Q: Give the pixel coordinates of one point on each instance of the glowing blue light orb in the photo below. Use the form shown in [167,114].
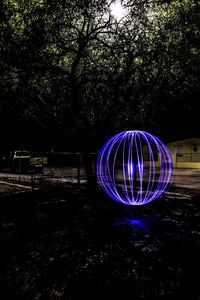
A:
[134,167]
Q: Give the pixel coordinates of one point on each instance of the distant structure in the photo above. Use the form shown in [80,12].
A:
[185,153]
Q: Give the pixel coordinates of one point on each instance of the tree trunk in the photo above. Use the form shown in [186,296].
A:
[89,163]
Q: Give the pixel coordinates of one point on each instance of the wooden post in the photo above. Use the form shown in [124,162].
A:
[79,169]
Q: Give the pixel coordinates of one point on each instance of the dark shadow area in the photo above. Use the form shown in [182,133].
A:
[72,244]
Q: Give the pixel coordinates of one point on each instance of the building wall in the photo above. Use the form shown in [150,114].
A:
[183,147]
[187,165]
[184,154]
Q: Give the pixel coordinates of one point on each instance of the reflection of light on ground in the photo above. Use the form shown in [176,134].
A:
[136,225]
[136,222]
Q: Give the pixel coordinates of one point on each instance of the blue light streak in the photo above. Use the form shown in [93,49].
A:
[135,222]
[127,171]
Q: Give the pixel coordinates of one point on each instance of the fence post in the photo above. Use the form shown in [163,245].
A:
[42,169]
[174,157]
[33,179]
[79,169]
[19,168]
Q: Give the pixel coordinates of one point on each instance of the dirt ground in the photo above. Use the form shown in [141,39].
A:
[7,188]
[75,244]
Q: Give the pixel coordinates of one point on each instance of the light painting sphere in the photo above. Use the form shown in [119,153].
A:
[134,167]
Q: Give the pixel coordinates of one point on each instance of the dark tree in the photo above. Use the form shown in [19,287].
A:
[72,75]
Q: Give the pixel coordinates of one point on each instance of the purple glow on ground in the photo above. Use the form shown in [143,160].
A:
[127,170]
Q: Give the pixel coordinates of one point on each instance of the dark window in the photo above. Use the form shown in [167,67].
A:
[195,148]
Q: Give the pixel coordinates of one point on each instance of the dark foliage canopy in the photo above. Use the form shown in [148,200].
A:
[72,74]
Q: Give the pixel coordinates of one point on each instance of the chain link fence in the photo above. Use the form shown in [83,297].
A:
[47,168]
[66,168]
[188,157]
